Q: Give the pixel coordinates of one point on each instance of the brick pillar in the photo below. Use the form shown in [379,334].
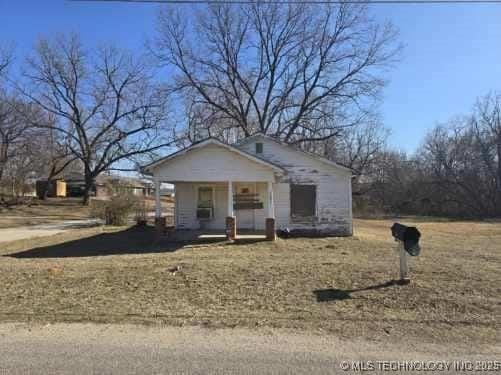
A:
[231,227]
[270,229]
[160,226]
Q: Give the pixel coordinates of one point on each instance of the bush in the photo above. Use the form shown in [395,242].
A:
[115,211]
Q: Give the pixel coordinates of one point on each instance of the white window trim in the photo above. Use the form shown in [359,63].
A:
[213,189]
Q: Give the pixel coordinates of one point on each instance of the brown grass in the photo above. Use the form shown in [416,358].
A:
[43,212]
[54,210]
[338,285]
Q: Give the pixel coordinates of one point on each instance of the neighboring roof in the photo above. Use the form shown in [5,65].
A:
[147,168]
[72,176]
[76,177]
[310,154]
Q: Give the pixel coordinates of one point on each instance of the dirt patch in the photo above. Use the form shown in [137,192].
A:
[337,285]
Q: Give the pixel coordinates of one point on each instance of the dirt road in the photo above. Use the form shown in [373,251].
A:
[127,349]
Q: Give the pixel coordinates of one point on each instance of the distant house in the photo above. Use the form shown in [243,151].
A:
[258,184]
[52,189]
[74,185]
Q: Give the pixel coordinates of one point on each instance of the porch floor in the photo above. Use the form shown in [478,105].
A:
[214,236]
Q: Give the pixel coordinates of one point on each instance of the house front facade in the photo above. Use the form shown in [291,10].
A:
[259,184]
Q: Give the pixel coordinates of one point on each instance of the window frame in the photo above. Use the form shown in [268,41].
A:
[213,198]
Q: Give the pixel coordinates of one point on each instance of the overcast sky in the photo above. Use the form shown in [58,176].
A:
[452,53]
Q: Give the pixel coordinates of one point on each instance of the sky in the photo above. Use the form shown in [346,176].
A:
[451,55]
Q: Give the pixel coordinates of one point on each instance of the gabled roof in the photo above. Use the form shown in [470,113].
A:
[310,154]
[148,168]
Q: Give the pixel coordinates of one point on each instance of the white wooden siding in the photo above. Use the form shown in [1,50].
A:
[214,165]
[186,206]
[212,162]
[333,188]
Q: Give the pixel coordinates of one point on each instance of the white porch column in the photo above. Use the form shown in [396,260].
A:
[231,225]
[271,201]
[270,220]
[158,202]
[230,199]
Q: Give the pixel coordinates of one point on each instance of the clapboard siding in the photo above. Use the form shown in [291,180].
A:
[209,162]
[333,206]
[186,206]
[187,199]
[214,165]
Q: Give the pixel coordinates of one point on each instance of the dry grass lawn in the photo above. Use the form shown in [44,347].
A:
[337,285]
[55,210]
[43,212]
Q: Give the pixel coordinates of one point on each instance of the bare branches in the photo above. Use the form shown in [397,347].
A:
[106,104]
[290,71]
[13,129]
[6,58]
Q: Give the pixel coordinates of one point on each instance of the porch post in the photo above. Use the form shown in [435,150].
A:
[271,202]
[159,220]
[270,220]
[231,225]
[158,202]
[230,198]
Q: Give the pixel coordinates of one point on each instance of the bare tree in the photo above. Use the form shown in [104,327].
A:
[359,147]
[13,128]
[108,108]
[454,167]
[486,127]
[54,156]
[5,59]
[296,72]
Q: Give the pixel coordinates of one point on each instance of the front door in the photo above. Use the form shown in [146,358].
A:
[244,216]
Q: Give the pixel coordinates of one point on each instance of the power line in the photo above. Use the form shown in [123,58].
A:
[294,1]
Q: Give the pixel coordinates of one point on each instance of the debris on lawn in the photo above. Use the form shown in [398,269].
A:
[174,270]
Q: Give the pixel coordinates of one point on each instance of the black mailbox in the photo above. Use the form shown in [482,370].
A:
[409,236]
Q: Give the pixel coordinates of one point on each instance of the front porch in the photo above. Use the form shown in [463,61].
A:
[218,187]
[219,210]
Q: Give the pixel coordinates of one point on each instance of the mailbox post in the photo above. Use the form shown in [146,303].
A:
[408,243]
[404,267]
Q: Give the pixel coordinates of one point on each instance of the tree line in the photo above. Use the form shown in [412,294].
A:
[309,75]
[455,172]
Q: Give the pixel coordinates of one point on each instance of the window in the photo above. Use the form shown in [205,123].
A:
[205,197]
[259,148]
[205,204]
[303,200]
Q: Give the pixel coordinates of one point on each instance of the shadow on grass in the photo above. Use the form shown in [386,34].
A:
[134,240]
[332,294]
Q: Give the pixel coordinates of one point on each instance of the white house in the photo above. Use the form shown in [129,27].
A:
[258,184]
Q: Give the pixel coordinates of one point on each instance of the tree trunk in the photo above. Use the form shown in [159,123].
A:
[45,191]
[89,184]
